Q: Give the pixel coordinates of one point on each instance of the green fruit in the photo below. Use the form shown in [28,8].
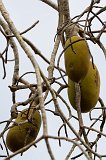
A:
[23,134]
[76,58]
[90,88]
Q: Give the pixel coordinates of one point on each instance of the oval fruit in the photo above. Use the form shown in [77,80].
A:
[77,58]
[89,87]
[23,134]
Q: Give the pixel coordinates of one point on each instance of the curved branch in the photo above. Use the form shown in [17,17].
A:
[51,4]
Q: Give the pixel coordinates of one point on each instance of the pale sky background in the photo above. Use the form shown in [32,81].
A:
[24,14]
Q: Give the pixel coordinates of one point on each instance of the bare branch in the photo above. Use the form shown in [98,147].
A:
[50,3]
